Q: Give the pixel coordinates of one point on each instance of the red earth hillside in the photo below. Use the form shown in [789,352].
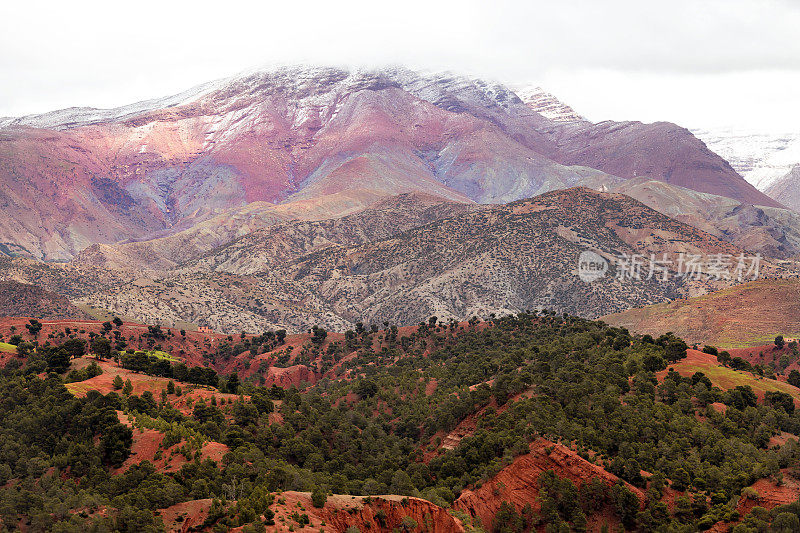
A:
[768,353]
[726,378]
[379,514]
[518,482]
[190,348]
[147,443]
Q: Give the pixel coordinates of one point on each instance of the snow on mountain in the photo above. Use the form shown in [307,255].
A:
[73,117]
[761,158]
[548,105]
[301,134]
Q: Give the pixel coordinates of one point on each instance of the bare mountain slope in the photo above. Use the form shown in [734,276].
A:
[744,315]
[471,261]
[787,189]
[771,231]
[20,299]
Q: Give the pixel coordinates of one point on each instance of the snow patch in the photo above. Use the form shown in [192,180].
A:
[548,105]
[760,157]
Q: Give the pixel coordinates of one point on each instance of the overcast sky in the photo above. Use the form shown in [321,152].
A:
[699,63]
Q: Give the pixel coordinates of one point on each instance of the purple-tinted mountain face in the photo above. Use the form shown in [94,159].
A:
[303,137]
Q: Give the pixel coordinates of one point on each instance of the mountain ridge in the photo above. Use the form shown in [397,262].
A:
[474,261]
[164,165]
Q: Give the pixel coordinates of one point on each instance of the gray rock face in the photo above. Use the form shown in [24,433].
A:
[786,190]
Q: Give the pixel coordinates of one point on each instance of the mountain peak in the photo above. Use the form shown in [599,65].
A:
[548,105]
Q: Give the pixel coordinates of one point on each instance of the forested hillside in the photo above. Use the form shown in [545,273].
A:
[526,422]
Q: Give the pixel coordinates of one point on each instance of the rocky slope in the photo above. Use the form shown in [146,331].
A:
[459,262]
[20,299]
[518,482]
[77,177]
[787,189]
[770,231]
[387,513]
[276,233]
[548,105]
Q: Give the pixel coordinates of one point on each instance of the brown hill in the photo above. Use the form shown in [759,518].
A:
[465,262]
[277,233]
[21,299]
[750,314]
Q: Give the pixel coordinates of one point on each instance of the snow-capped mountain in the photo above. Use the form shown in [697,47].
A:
[301,134]
[761,158]
[548,105]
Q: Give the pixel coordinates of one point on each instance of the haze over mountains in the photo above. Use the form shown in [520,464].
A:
[303,196]
[761,158]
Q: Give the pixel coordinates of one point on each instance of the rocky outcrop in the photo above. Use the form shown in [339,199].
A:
[385,516]
[286,377]
[548,105]
[518,482]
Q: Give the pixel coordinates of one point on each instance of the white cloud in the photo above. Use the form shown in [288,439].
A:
[758,100]
[58,54]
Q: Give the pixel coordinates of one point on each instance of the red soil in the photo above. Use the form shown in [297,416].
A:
[766,354]
[427,516]
[293,375]
[467,427]
[147,443]
[343,511]
[195,348]
[770,494]
[696,360]
[780,440]
[182,516]
[430,387]
[189,348]
[289,502]
[719,407]
[517,483]
[104,383]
